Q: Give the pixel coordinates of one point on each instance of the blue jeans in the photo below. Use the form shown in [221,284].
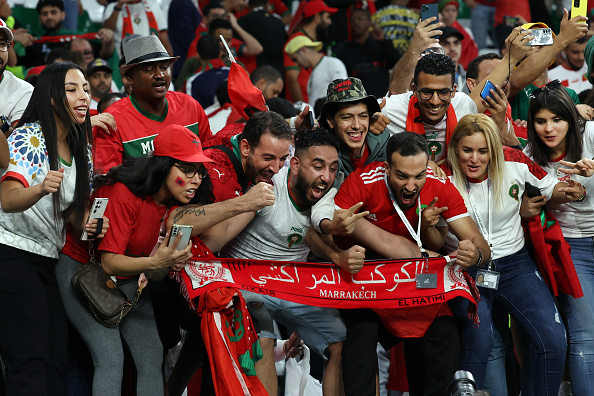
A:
[495,381]
[579,317]
[482,21]
[525,295]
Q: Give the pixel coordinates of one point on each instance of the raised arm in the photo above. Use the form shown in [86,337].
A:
[202,217]
[403,71]
[252,45]
[532,67]
[517,49]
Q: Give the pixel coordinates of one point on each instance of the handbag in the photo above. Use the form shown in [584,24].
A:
[107,302]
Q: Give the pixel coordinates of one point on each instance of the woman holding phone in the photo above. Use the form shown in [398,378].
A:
[143,193]
[45,186]
[558,137]
[491,179]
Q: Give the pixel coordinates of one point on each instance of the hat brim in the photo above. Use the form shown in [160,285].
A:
[370,100]
[99,68]
[194,158]
[9,34]
[123,69]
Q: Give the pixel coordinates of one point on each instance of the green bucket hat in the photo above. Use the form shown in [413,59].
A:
[346,91]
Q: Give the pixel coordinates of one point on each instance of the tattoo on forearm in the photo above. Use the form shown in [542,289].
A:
[189,210]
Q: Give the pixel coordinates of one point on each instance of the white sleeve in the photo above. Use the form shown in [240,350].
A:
[396,109]
[463,105]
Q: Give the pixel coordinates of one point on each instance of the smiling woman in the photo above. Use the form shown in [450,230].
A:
[45,186]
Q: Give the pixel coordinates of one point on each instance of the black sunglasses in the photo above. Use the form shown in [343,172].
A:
[550,86]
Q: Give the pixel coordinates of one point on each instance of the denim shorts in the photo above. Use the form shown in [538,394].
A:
[318,327]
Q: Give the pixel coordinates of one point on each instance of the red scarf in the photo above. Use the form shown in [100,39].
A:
[414,123]
[66,38]
[551,254]
[228,334]
[380,284]
[127,27]
[231,342]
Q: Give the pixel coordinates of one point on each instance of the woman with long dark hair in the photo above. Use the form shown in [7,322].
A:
[143,193]
[558,135]
[45,186]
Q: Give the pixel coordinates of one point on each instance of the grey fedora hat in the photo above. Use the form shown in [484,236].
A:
[143,50]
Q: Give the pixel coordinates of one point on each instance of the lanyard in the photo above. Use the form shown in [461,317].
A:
[416,235]
[479,221]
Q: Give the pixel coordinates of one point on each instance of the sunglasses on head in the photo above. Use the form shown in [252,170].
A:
[550,86]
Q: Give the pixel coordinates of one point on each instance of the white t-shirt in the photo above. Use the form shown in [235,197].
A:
[396,109]
[277,232]
[574,79]
[575,218]
[327,70]
[507,234]
[140,24]
[15,94]
[36,229]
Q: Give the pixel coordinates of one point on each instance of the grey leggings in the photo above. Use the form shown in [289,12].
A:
[138,329]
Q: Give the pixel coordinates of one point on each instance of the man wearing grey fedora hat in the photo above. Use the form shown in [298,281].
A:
[149,108]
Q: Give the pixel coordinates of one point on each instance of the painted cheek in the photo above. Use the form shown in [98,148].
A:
[180,182]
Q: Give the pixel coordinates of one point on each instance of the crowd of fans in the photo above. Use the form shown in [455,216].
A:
[316,131]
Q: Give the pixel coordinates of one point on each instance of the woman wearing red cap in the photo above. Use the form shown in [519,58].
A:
[142,193]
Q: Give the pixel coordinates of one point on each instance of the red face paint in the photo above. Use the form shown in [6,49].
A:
[179,181]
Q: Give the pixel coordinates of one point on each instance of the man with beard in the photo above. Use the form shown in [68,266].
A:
[149,108]
[51,16]
[246,154]
[315,24]
[278,233]
[99,77]
[394,192]
[15,93]
[573,73]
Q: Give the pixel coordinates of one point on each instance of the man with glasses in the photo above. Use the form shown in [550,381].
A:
[15,93]
[434,107]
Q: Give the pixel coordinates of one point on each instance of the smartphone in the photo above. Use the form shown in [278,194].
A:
[97,211]
[486,91]
[186,231]
[428,11]
[542,36]
[532,191]
[579,8]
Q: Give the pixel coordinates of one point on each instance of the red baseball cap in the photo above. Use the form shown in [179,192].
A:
[315,7]
[179,142]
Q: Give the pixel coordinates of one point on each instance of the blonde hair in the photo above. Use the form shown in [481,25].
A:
[468,126]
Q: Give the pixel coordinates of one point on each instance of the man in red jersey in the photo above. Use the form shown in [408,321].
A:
[149,108]
[395,192]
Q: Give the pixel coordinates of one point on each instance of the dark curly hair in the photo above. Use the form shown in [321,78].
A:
[314,138]
[436,65]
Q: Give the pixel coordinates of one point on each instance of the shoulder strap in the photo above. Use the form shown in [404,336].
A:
[241,176]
